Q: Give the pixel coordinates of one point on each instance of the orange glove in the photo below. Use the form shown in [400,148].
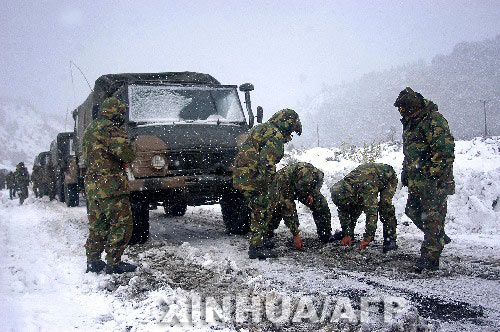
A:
[363,244]
[297,242]
[309,200]
[346,241]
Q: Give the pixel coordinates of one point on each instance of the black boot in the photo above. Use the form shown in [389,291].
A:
[338,235]
[426,264]
[119,268]
[389,244]
[268,242]
[327,238]
[261,252]
[447,239]
[95,266]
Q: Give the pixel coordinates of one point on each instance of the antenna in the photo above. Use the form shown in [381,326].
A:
[71,63]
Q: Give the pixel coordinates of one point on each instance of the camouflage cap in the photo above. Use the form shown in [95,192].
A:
[287,119]
[409,98]
[112,106]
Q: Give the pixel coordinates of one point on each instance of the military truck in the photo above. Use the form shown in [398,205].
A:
[41,161]
[62,154]
[186,128]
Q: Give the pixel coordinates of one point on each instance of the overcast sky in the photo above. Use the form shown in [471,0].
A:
[287,49]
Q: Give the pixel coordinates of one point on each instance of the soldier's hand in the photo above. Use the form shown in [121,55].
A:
[310,200]
[297,242]
[346,241]
[363,244]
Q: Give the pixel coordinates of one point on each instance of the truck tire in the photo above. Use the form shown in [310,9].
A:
[140,216]
[177,209]
[71,195]
[235,213]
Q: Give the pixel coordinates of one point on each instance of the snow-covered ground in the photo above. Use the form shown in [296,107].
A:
[44,287]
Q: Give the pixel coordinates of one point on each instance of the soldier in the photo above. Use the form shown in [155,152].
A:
[254,174]
[22,180]
[429,153]
[11,185]
[106,149]
[358,192]
[301,181]
[49,178]
[36,178]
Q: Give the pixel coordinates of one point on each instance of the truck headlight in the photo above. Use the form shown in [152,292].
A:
[158,162]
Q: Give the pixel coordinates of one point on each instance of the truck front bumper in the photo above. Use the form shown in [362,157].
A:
[185,183]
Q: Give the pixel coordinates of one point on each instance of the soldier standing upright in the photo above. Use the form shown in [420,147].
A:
[11,185]
[254,174]
[429,153]
[106,149]
[36,178]
[358,192]
[301,181]
[22,180]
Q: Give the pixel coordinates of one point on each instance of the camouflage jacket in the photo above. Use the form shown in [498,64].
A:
[429,152]
[106,148]
[296,182]
[361,187]
[255,164]
[22,177]
[11,180]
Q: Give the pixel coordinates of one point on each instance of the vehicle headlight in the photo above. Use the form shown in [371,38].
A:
[158,162]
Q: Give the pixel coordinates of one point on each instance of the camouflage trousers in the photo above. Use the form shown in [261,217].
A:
[110,227]
[428,210]
[320,211]
[23,194]
[350,213]
[37,190]
[261,204]
[12,193]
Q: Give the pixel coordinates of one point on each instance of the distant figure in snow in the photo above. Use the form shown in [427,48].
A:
[11,185]
[22,180]
[429,153]
[358,192]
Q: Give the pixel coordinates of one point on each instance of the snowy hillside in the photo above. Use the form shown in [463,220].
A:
[363,111]
[44,287]
[25,132]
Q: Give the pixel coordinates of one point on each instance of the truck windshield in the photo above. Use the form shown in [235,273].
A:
[148,103]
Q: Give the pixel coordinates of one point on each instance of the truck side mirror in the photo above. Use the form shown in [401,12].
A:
[260,114]
[246,88]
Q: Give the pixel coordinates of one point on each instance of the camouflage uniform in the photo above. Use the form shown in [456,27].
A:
[22,179]
[429,153]
[11,184]
[49,179]
[106,148]
[358,192]
[255,168]
[298,181]
[36,178]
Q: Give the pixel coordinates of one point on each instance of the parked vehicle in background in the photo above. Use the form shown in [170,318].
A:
[186,128]
[41,161]
[62,154]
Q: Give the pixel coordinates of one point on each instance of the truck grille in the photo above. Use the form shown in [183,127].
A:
[197,162]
